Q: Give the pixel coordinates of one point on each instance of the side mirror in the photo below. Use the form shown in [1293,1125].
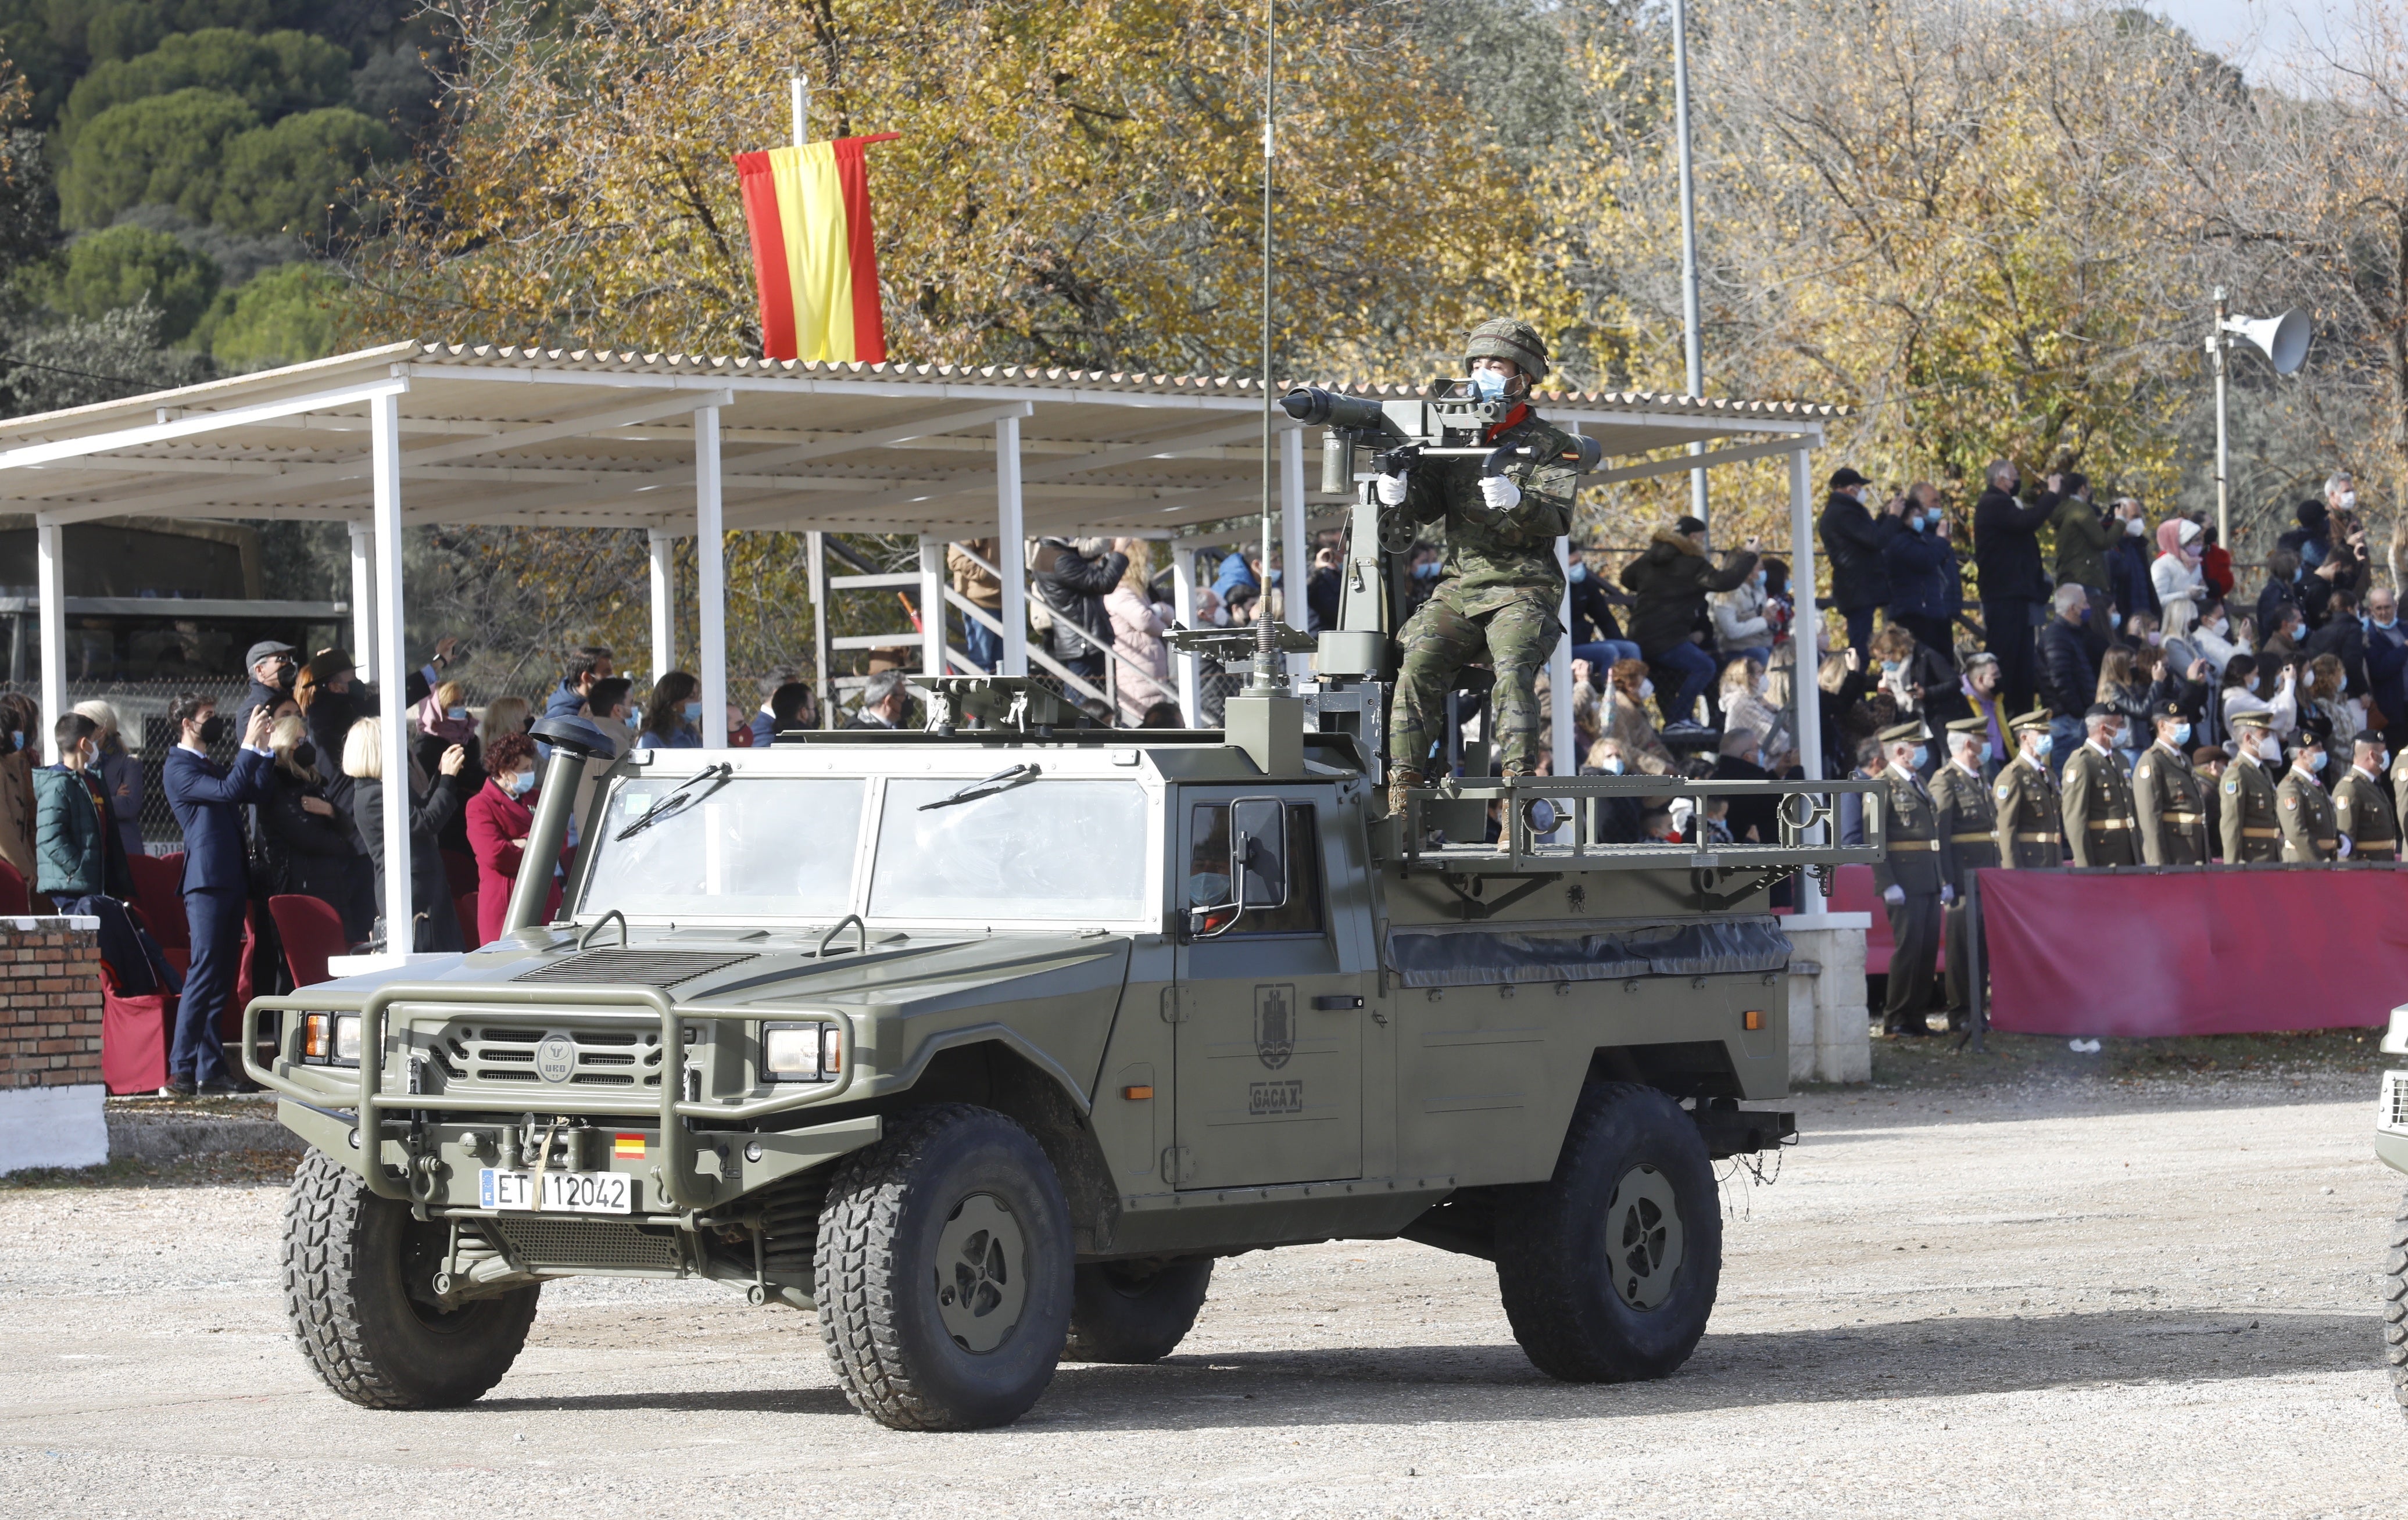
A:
[1258,852]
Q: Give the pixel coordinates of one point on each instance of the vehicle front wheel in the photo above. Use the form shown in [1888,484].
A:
[1135,1311]
[2395,1306]
[1608,1270]
[359,1284]
[943,1271]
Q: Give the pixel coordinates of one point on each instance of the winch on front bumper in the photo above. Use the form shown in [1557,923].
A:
[438,1087]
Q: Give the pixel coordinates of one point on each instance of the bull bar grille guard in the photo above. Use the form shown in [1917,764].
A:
[367,1101]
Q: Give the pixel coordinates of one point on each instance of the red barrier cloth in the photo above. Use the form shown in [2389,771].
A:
[2194,952]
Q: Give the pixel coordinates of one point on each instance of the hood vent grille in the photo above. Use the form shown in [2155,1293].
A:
[639,964]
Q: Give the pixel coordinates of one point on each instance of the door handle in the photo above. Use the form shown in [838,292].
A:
[1336,1002]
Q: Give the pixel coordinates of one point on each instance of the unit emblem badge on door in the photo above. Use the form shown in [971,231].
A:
[1275,1023]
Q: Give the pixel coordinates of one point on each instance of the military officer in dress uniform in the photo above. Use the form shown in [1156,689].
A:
[1968,840]
[2400,792]
[2362,808]
[2304,806]
[2096,798]
[2031,835]
[2247,813]
[1909,877]
[2169,805]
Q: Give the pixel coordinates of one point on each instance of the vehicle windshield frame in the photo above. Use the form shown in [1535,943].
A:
[875,771]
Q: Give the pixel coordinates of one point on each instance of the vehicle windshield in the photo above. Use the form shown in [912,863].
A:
[760,846]
[785,848]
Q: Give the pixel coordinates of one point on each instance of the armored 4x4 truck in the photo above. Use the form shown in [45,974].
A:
[985,1042]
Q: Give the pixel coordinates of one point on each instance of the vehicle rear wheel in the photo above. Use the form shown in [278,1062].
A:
[1135,1311]
[359,1284]
[943,1271]
[2395,1306]
[1608,1270]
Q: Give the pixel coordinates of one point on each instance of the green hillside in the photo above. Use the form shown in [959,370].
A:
[175,176]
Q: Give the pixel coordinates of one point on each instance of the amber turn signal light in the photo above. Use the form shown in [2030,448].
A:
[1752,1019]
[1137,1095]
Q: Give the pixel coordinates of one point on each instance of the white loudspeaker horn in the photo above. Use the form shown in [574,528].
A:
[2283,339]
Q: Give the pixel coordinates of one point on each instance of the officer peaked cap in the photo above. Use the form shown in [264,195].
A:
[2037,719]
[1905,733]
[1970,725]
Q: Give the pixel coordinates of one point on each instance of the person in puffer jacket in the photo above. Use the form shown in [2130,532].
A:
[1072,580]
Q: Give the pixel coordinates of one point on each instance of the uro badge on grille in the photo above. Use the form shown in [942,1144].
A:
[557,1057]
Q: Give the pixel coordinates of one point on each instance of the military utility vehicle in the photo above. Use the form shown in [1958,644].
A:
[985,1042]
[2391,1148]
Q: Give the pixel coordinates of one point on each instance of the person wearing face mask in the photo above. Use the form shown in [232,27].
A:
[2169,805]
[673,713]
[2128,586]
[2247,818]
[2031,829]
[83,868]
[1968,842]
[2362,812]
[1909,876]
[2310,833]
[1501,585]
[2083,536]
[2244,691]
[499,815]
[1627,692]
[1741,629]
[2281,591]
[2216,636]
[1670,582]
[2069,669]
[1597,636]
[207,798]
[2174,574]
[1854,544]
[2208,762]
[2095,796]
[306,847]
[1923,576]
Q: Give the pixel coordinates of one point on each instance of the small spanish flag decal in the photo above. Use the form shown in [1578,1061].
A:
[630,1148]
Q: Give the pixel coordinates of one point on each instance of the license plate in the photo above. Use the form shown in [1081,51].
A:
[569,1192]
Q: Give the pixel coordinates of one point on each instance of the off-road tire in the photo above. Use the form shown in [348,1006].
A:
[1121,1313]
[1563,1281]
[345,1289]
[2395,1306]
[877,1278]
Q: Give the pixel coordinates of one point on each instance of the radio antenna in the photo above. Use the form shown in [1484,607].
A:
[1267,673]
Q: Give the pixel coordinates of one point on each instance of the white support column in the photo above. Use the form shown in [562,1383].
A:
[815,559]
[1296,572]
[364,600]
[1182,603]
[392,661]
[932,605]
[1560,742]
[1011,547]
[663,543]
[1805,695]
[710,589]
[51,591]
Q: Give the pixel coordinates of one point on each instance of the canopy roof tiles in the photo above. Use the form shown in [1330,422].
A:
[603,438]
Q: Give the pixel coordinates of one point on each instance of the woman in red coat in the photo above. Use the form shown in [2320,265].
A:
[498,817]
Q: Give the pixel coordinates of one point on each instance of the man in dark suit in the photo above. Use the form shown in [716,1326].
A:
[207,799]
[2006,563]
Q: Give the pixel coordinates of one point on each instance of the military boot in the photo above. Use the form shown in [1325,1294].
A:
[1400,782]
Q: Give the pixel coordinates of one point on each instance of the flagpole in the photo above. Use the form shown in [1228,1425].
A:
[1266,661]
[798,95]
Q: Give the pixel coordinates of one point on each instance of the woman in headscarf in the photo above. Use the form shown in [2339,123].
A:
[2175,573]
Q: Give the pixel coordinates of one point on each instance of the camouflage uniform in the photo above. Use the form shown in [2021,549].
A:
[1497,594]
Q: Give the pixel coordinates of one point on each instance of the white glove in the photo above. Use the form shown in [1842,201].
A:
[2346,847]
[1947,893]
[1894,896]
[1499,492]
[1392,491]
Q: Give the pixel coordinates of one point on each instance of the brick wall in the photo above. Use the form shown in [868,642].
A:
[50,1003]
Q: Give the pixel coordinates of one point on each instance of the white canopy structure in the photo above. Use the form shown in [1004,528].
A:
[424,432]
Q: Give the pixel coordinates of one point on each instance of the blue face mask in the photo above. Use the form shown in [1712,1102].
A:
[2182,735]
[1759,577]
[1487,385]
[456,715]
[692,711]
[2046,743]
[2316,760]
[1915,520]
[1922,757]
[1613,765]
[1987,753]
[1579,573]
[517,782]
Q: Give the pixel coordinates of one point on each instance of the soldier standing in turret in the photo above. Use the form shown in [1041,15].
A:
[1968,840]
[1499,585]
[2167,804]
[2097,796]
[2247,815]
[2031,835]
[1909,877]
[2304,806]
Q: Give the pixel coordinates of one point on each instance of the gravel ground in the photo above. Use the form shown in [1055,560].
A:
[2056,1295]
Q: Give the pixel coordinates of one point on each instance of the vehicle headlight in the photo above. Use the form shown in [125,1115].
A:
[330,1039]
[812,1052]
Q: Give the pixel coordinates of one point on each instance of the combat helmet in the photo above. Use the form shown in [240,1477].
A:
[1503,337]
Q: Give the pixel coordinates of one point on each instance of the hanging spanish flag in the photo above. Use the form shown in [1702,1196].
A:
[815,258]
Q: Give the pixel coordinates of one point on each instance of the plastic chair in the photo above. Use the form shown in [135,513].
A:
[136,1036]
[311,930]
[463,907]
[158,883]
[15,902]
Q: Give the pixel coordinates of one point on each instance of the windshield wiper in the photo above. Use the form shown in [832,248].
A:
[1001,781]
[677,798]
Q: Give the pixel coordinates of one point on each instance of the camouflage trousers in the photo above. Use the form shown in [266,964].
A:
[1439,641]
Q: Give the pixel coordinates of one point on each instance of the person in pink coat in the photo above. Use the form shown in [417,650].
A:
[497,818]
[1139,623]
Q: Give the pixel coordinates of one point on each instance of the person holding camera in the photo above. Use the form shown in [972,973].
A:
[1499,585]
[207,798]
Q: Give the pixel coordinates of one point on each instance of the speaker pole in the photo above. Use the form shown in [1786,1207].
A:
[2218,346]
